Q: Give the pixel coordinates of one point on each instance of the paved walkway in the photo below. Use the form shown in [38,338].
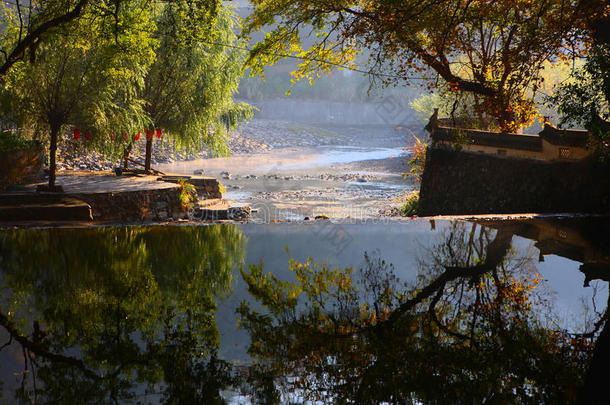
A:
[93,183]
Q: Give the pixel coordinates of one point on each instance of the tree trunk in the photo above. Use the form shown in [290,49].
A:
[126,153]
[149,142]
[52,155]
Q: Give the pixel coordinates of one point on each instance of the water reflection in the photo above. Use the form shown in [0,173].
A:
[114,314]
[583,240]
[129,315]
[474,328]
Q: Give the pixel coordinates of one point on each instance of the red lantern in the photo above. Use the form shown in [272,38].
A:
[159,134]
[125,136]
[149,135]
[76,133]
[112,137]
[137,137]
[88,135]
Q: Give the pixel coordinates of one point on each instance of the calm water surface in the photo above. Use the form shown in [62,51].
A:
[418,312]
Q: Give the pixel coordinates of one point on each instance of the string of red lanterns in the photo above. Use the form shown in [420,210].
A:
[149,134]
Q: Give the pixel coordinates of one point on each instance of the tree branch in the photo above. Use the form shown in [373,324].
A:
[33,36]
[39,350]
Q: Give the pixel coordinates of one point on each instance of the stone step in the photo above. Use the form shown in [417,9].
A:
[208,202]
[216,209]
[34,207]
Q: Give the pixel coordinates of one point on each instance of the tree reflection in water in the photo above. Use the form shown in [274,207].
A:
[469,330]
[93,313]
[115,315]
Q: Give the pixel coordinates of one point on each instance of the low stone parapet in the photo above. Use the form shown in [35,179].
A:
[239,212]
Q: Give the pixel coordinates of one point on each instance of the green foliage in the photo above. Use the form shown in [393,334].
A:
[464,109]
[494,50]
[417,160]
[119,67]
[221,188]
[587,93]
[410,207]
[189,89]
[425,104]
[27,25]
[585,100]
[188,194]
[86,75]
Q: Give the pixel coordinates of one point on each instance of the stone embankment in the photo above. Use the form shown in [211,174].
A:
[457,182]
[100,197]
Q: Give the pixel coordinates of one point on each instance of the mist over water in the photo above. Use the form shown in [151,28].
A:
[387,112]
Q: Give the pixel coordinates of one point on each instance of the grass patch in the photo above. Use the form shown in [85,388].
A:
[221,188]
[188,194]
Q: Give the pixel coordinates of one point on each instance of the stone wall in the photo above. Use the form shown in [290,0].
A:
[21,166]
[459,182]
[550,144]
[135,206]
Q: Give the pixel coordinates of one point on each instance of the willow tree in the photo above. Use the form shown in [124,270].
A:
[494,50]
[86,76]
[189,89]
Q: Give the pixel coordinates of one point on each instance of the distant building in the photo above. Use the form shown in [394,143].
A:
[551,144]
